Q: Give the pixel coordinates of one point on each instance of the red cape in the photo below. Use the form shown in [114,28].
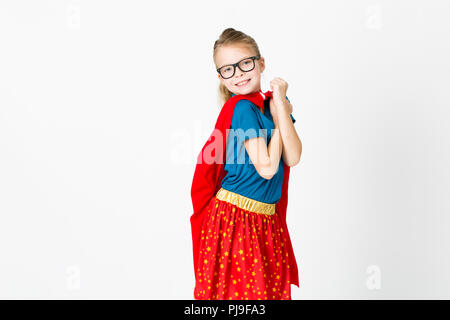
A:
[209,172]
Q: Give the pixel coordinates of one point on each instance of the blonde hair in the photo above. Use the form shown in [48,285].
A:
[232,36]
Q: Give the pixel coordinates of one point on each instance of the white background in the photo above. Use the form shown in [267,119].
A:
[104,106]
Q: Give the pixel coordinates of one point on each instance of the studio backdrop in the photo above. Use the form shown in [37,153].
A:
[104,106]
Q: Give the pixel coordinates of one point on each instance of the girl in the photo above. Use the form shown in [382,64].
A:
[242,248]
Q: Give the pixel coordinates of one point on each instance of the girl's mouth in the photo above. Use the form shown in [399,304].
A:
[243,83]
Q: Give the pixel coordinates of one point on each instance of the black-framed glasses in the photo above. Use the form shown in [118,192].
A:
[246,65]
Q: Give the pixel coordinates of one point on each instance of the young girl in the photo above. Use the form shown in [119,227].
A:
[242,248]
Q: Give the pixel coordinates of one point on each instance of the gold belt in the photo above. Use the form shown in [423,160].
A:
[245,203]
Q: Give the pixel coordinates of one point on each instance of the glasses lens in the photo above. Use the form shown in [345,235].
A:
[247,64]
[226,72]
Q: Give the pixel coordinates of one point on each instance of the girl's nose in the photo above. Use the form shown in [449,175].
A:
[239,73]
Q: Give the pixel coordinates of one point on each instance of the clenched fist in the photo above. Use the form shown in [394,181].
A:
[279,88]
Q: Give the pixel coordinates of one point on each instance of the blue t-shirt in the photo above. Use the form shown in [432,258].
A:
[241,175]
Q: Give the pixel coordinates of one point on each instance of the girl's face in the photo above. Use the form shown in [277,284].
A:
[238,83]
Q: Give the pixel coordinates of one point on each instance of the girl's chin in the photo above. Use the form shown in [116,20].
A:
[246,90]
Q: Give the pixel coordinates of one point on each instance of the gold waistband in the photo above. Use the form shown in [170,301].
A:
[245,203]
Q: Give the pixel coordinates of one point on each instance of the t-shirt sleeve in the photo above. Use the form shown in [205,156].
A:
[245,117]
[293,119]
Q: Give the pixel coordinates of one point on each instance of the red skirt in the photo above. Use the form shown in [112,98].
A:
[243,252]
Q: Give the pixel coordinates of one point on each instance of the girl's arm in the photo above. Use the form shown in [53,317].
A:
[265,158]
[291,144]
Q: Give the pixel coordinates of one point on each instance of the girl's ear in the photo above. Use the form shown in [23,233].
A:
[262,64]
[222,81]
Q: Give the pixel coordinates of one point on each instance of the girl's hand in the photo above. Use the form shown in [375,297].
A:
[279,88]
